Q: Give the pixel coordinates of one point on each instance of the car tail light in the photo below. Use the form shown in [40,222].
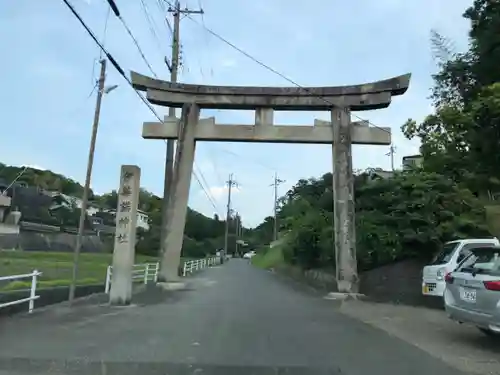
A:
[492,285]
[448,278]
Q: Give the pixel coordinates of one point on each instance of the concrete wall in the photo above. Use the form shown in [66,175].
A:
[398,283]
[48,296]
[59,241]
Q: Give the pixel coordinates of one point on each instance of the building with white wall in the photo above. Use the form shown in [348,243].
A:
[142,218]
[412,162]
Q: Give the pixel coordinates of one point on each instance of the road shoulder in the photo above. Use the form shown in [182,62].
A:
[462,347]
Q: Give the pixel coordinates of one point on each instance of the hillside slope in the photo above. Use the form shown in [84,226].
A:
[203,234]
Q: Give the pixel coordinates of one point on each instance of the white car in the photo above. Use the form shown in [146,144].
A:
[450,256]
[249,255]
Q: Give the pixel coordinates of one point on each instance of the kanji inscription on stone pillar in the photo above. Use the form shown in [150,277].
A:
[126,225]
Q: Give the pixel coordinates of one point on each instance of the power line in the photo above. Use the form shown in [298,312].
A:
[116,66]
[214,165]
[272,70]
[169,25]
[105,32]
[164,11]
[151,23]
[111,59]
[15,179]
[265,66]
[116,11]
[207,192]
[254,59]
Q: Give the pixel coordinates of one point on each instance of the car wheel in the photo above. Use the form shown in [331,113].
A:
[489,332]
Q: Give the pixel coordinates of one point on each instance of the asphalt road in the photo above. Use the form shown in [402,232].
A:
[233,319]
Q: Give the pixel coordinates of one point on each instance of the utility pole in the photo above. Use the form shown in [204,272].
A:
[173,67]
[230,183]
[240,234]
[276,183]
[392,151]
[237,232]
[86,188]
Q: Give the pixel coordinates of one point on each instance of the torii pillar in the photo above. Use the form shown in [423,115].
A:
[178,203]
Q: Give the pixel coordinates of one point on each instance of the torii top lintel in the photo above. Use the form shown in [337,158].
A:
[366,96]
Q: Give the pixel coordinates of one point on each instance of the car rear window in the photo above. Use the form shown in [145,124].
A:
[444,256]
[485,260]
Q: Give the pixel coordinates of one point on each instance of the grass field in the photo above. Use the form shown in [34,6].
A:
[56,267]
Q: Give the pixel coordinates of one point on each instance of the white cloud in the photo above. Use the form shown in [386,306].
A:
[219,192]
[228,63]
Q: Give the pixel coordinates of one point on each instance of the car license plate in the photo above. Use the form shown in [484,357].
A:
[468,295]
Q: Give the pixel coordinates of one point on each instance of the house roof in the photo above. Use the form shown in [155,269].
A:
[381,173]
[412,157]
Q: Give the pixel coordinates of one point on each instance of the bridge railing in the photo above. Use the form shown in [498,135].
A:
[32,296]
[142,272]
[191,266]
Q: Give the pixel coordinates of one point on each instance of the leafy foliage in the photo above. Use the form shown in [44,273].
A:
[43,179]
[412,213]
[409,215]
[461,139]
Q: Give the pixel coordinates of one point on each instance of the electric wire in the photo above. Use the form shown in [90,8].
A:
[151,24]
[116,12]
[118,68]
[269,68]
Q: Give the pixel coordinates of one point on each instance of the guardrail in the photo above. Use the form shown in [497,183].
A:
[144,272]
[32,297]
[194,265]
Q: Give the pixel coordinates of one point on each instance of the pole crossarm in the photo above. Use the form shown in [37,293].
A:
[368,96]
[320,133]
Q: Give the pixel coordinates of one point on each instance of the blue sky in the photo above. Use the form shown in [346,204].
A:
[49,67]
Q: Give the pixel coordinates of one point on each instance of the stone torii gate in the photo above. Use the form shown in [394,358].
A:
[341,133]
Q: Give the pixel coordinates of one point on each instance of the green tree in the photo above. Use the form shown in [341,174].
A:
[461,139]
[407,216]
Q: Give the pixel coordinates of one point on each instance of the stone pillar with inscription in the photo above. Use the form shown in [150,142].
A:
[126,225]
[343,202]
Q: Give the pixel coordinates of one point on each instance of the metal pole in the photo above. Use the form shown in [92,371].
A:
[275,207]
[228,213]
[392,158]
[237,233]
[86,188]
[276,183]
[391,152]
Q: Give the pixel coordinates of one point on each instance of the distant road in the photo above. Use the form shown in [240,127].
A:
[234,319]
